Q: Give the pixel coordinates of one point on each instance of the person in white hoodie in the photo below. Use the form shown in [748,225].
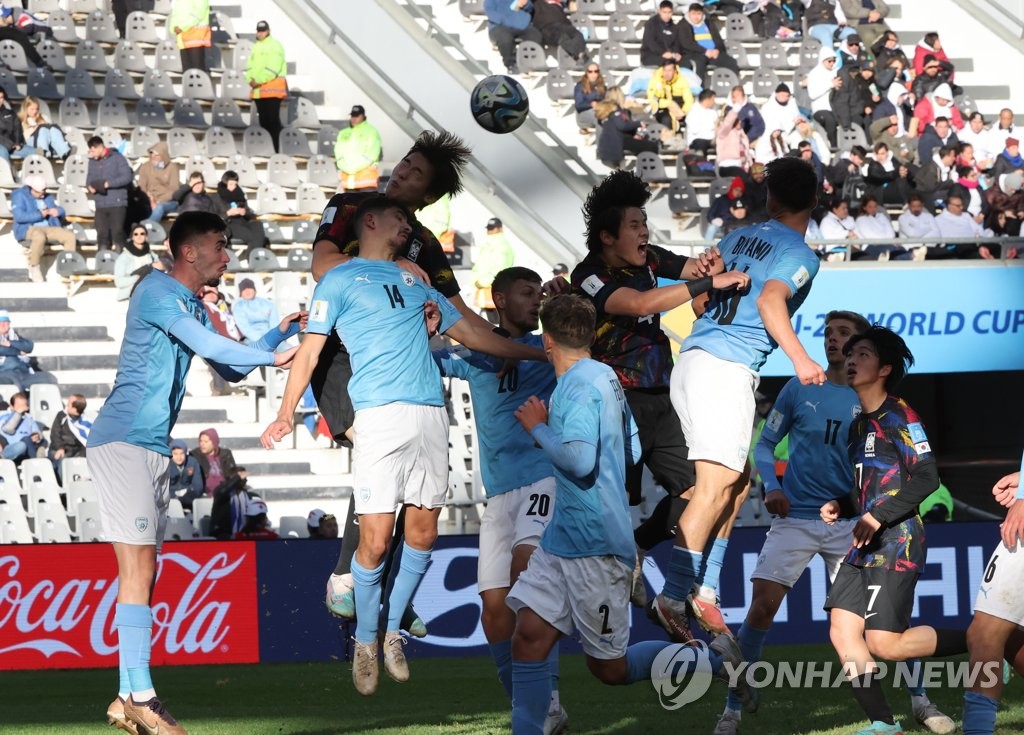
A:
[837,224]
[975,133]
[916,221]
[821,81]
[780,115]
[873,223]
[702,123]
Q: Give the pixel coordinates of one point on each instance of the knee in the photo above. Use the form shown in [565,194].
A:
[420,538]
[374,547]
[606,671]
[761,613]
[886,647]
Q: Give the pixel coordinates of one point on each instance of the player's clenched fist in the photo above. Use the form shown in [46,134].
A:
[275,432]
[531,413]
[1005,490]
[830,512]
[809,372]
[731,279]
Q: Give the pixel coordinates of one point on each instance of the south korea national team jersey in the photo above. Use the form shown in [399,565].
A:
[817,419]
[377,310]
[886,448]
[591,516]
[731,327]
[151,369]
[508,456]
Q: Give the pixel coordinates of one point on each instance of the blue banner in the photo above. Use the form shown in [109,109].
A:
[295,624]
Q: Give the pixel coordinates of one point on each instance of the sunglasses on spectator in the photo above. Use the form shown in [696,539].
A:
[593,71]
[141,233]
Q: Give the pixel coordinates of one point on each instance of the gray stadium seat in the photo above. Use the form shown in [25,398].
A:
[300,260]
[142,139]
[226,114]
[112,113]
[256,142]
[10,83]
[89,56]
[650,168]
[471,9]
[613,56]
[119,84]
[63,26]
[219,143]
[722,81]
[274,233]
[222,27]
[39,166]
[182,143]
[325,140]
[773,54]
[309,199]
[75,201]
[271,199]
[139,28]
[196,84]
[53,54]
[150,113]
[168,59]
[595,7]
[739,28]
[155,232]
[76,170]
[765,82]
[128,57]
[302,114]
[233,85]
[736,50]
[682,198]
[188,113]
[246,170]
[81,7]
[621,28]
[851,136]
[531,58]
[42,85]
[12,55]
[157,84]
[79,83]
[262,260]
[81,234]
[293,142]
[76,139]
[810,47]
[105,262]
[304,232]
[101,28]
[241,53]
[111,136]
[560,86]
[71,263]
[719,186]
[282,171]
[322,171]
[45,6]
[199,162]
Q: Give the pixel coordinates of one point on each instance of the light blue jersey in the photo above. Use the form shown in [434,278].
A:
[150,385]
[591,516]
[731,327]
[817,419]
[508,456]
[377,310]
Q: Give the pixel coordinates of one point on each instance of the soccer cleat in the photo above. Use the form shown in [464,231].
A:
[707,614]
[394,657]
[413,624]
[672,616]
[728,723]
[881,728]
[151,718]
[365,672]
[341,596]
[638,594]
[116,717]
[929,716]
[727,647]
[557,721]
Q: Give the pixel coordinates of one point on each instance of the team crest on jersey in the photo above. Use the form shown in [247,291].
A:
[328,216]
[408,279]
[414,250]
[364,494]
[318,312]
[592,285]
[141,524]
[855,410]
[869,444]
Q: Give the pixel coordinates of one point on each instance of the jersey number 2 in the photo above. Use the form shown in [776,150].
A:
[394,296]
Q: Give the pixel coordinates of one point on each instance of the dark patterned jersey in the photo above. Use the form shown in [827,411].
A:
[887,447]
[422,247]
[635,348]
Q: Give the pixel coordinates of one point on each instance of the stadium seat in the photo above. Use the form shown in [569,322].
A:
[233,85]
[76,170]
[45,6]
[157,84]
[621,28]
[531,58]
[246,170]
[10,483]
[150,113]
[739,28]
[736,50]
[105,260]
[471,9]
[10,83]
[40,483]
[651,169]
[302,114]
[300,260]
[42,85]
[79,493]
[262,260]
[765,82]
[722,81]
[89,56]
[81,234]
[143,138]
[613,56]
[188,113]
[39,166]
[274,233]
[182,143]
[73,112]
[219,143]
[282,171]
[199,162]
[168,59]
[222,27]
[257,143]
[304,232]
[227,114]
[240,54]
[5,207]
[682,198]
[325,140]
[719,187]
[196,84]
[309,199]
[73,469]
[12,55]
[139,28]
[234,264]
[583,23]
[6,175]
[293,527]
[322,171]
[81,7]
[63,26]
[175,509]
[100,27]
[179,529]
[560,86]
[593,7]
[71,264]
[79,83]
[76,203]
[271,199]
[773,54]
[851,136]
[112,113]
[111,136]
[52,526]
[88,527]
[14,528]
[53,54]
[636,7]
[155,232]
[293,142]
[119,84]
[128,57]
[810,48]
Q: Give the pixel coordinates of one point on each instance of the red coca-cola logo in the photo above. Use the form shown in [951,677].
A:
[57,604]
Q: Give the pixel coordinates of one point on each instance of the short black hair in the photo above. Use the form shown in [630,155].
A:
[964,171]
[835,201]
[695,6]
[867,199]
[505,278]
[706,94]
[95,142]
[946,150]
[569,320]
[860,324]
[858,150]
[892,352]
[608,201]
[229,175]
[930,39]
[792,184]
[941,118]
[448,156]
[665,4]
[375,204]
[881,145]
[915,196]
[190,224]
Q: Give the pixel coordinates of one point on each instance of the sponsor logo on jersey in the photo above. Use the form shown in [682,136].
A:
[592,285]
[801,276]
[318,312]
[869,444]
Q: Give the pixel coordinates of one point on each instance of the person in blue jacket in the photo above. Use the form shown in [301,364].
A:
[38,220]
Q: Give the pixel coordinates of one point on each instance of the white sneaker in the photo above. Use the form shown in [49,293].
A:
[932,719]
[365,671]
[728,723]
[557,721]
[394,657]
[35,274]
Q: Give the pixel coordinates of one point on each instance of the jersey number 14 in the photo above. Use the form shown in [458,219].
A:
[394,296]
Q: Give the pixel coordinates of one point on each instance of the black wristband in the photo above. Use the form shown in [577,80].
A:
[699,286]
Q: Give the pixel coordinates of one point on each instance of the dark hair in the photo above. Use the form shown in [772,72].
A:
[858,150]
[505,278]
[915,196]
[930,39]
[569,320]
[190,224]
[608,201]
[229,176]
[448,157]
[941,118]
[954,194]
[196,175]
[835,201]
[860,324]
[374,205]
[95,142]
[963,171]
[19,394]
[695,6]
[792,184]
[665,4]
[707,94]
[804,145]
[978,115]
[892,352]
[946,150]
[136,226]
[881,145]
[867,199]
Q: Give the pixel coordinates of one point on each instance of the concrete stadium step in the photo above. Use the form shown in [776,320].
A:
[71,363]
[205,416]
[13,275]
[92,391]
[263,469]
[84,347]
[288,487]
[39,304]
[66,333]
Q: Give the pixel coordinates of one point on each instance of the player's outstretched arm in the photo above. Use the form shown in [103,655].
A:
[303,364]
[478,335]
[289,327]
[232,360]
[468,314]
[708,263]
[1006,490]
[771,305]
[577,458]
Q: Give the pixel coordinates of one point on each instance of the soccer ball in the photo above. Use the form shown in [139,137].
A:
[499,104]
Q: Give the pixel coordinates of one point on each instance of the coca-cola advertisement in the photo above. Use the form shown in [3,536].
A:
[57,604]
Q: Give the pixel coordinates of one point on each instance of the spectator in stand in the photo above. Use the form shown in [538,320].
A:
[1002,130]
[356,152]
[253,314]
[16,361]
[822,82]
[837,224]
[938,134]
[38,220]
[1009,159]
[265,73]
[589,91]
[888,180]
[851,49]
[185,476]
[70,430]
[322,525]
[669,96]
[855,99]
[9,31]
[216,462]
[965,157]
[493,255]
[939,103]
[868,16]
[916,221]
[223,323]
[702,123]
[33,27]
[619,132]
[885,131]
[822,23]
[560,269]
[1004,205]
[873,223]
[850,164]
[934,74]
[192,197]
[889,73]
[133,262]
[954,222]
[935,178]
[732,149]
[749,115]
[728,211]
[39,133]
[897,104]
[230,499]
[887,48]
[977,135]
[556,30]
[805,151]
[756,196]
[660,41]
[20,435]
[242,222]
[12,137]
[121,9]
[108,179]
[780,114]
[190,22]
[257,525]
[931,46]
[777,18]
[159,179]
[968,189]
[508,24]
[702,44]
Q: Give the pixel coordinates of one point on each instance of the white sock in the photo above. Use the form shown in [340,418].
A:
[708,593]
[144,696]
[553,707]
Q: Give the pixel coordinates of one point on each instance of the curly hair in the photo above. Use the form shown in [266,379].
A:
[608,201]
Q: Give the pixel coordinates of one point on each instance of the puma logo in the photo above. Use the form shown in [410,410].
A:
[812,406]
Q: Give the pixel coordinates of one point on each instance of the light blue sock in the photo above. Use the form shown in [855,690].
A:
[553,667]
[913,684]
[714,558]
[639,659]
[751,642]
[389,584]
[135,637]
[124,686]
[682,570]
[531,695]
[367,593]
[501,652]
[413,567]
[979,714]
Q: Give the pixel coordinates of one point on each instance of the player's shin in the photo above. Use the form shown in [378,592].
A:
[413,566]
[135,636]
[979,714]
[501,654]
[367,587]
[531,695]
[639,659]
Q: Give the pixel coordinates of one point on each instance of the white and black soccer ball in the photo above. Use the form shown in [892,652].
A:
[499,104]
